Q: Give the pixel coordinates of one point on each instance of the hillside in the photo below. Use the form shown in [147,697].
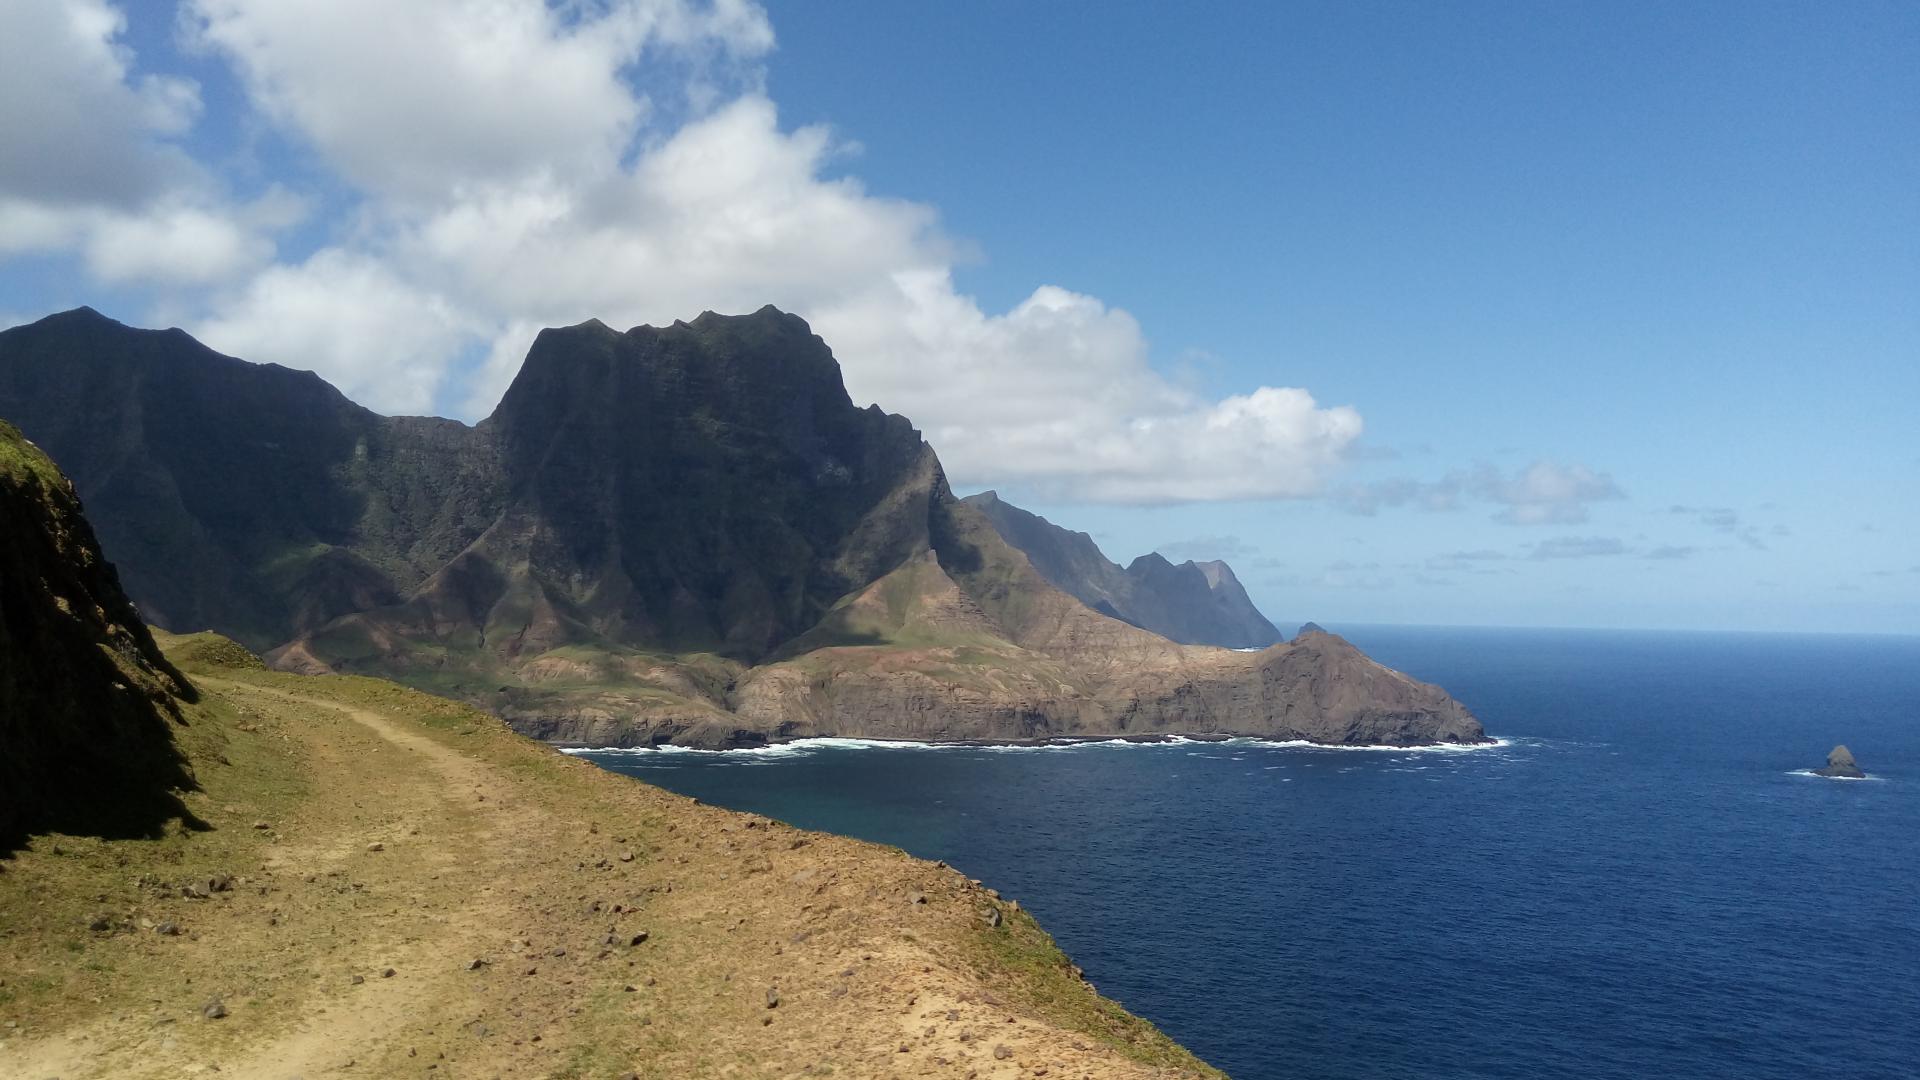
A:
[364,845]
[1194,603]
[88,706]
[684,534]
[258,873]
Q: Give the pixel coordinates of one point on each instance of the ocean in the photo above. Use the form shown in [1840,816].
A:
[1640,880]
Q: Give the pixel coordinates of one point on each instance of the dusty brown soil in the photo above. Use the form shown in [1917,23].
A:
[381,842]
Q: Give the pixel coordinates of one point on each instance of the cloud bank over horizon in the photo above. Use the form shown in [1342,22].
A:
[470,172]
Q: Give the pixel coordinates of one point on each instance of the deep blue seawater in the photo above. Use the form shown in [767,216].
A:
[1635,885]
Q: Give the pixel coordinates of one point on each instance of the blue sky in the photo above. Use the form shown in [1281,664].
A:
[1622,302]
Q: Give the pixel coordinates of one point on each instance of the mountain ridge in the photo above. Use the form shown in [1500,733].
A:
[687,534]
[1192,603]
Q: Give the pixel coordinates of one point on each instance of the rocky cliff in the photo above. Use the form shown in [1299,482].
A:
[1195,603]
[686,533]
[87,703]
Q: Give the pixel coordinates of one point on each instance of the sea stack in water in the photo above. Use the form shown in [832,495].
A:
[1840,765]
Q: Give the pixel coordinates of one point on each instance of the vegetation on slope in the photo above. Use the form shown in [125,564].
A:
[87,703]
[369,843]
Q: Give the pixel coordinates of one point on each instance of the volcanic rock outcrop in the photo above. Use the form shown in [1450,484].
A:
[684,534]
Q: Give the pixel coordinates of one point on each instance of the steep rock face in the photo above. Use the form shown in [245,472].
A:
[87,703]
[1195,603]
[241,496]
[683,534]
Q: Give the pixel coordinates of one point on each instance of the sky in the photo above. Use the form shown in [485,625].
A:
[1583,314]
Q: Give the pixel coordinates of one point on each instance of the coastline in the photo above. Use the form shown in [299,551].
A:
[1061,742]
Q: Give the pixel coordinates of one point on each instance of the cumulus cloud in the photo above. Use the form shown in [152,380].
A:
[91,168]
[513,164]
[383,342]
[1543,493]
[79,128]
[1057,395]
[513,174]
[429,98]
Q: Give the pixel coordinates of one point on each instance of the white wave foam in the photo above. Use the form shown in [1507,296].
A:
[804,747]
[1817,776]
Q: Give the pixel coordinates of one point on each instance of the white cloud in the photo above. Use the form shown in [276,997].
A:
[511,171]
[1543,493]
[78,127]
[383,342]
[1057,394]
[180,243]
[89,167]
[1546,493]
[428,98]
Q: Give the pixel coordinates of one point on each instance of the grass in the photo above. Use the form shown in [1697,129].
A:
[1023,958]
[507,837]
[20,462]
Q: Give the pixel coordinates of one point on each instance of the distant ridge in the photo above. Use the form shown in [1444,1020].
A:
[1195,603]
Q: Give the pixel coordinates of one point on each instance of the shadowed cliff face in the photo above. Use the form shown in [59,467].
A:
[87,703]
[686,533]
[241,496]
[1192,603]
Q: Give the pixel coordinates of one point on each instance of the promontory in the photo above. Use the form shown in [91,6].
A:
[684,534]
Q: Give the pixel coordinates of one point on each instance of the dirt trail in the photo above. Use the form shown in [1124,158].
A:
[616,928]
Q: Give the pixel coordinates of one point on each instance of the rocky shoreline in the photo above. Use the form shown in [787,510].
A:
[1154,738]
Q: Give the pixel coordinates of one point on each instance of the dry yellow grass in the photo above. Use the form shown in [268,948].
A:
[407,834]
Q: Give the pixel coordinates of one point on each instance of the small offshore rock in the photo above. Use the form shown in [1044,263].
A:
[1840,765]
